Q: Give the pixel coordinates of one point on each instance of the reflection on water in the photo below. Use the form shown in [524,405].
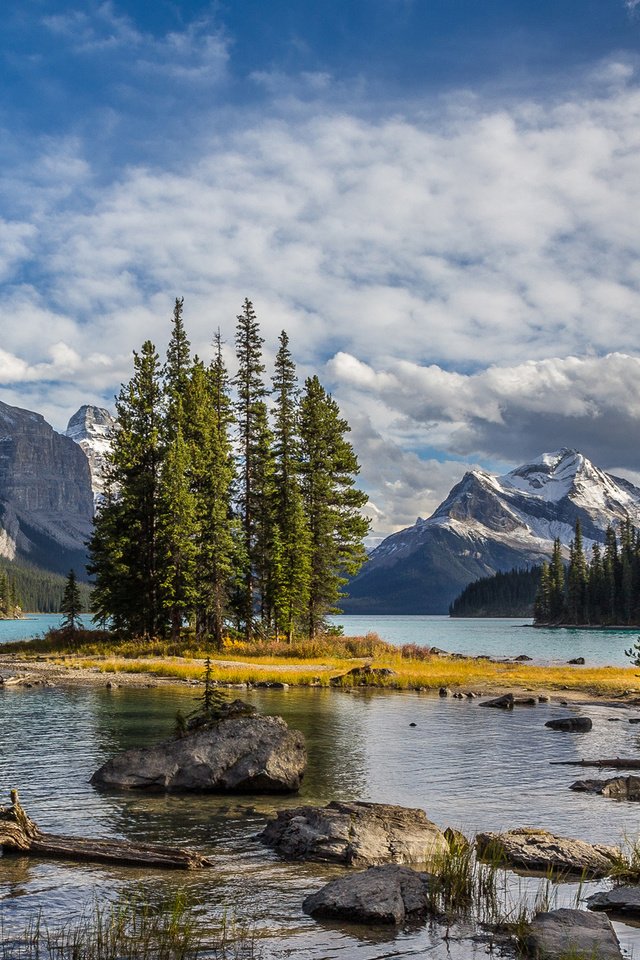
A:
[466,766]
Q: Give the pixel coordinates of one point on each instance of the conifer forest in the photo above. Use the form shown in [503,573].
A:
[230,498]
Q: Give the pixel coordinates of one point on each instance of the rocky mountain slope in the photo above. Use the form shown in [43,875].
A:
[90,427]
[490,523]
[46,500]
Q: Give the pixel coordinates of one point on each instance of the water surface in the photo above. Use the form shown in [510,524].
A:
[468,767]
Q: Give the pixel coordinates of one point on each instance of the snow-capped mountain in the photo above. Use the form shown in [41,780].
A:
[91,428]
[490,523]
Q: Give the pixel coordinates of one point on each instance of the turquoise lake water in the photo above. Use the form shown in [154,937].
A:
[495,638]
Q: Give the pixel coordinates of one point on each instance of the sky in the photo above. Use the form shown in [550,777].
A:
[439,200]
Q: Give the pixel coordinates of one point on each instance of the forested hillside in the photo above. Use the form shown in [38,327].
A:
[510,594]
[34,590]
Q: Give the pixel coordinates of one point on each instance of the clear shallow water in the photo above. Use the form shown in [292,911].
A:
[32,625]
[466,766]
[498,638]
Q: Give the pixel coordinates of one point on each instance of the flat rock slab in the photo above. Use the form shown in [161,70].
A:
[250,754]
[616,788]
[384,894]
[357,834]
[571,724]
[623,900]
[504,702]
[572,933]
[528,849]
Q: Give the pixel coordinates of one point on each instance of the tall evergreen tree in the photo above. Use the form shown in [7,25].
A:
[332,503]
[251,421]
[292,547]
[577,580]
[209,416]
[71,605]
[124,545]
[556,584]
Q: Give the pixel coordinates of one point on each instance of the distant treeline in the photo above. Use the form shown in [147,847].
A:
[510,594]
[35,590]
[604,590]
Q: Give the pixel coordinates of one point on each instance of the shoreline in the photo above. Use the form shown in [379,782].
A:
[17,671]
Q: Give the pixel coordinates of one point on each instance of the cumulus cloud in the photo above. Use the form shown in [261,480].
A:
[513,412]
[466,269]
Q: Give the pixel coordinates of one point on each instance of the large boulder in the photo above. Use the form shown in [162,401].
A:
[617,788]
[571,724]
[565,933]
[385,894]
[358,834]
[245,754]
[623,900]
[528,849]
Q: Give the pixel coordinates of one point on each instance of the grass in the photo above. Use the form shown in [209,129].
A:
[133,929]
[306,662]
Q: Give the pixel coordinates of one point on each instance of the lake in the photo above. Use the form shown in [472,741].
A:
[494,637]
[468,767]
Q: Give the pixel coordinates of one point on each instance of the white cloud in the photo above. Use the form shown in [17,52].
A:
[445,261]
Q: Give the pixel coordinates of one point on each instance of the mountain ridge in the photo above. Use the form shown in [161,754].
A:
[490,523]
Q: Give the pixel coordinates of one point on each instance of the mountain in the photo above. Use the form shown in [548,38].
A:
[46,501]
[90,427]
[487,524]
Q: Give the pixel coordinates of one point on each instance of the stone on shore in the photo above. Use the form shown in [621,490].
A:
[624,900]
[387,894]
[357,834]
[501,703]
[239,754]
[571,724]
[567,933]
[530,849]
[616,788]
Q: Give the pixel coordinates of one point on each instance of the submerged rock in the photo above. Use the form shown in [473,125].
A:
[384,894]
[501,703]
[617,788]
[530,849]
[241,754]
[568,933]
[623,900]
[358,834]
[571,724]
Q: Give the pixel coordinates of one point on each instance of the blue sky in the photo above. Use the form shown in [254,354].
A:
[438,199]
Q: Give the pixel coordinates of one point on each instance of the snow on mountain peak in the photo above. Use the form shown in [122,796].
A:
[91,428]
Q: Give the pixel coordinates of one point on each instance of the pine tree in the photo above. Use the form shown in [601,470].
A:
[577,580]
[291,555]
[332,503]
[251,423]
[542,603]
[209,418]
[177,551]
[124,545]
[71,605]
[556,585]
[177,364]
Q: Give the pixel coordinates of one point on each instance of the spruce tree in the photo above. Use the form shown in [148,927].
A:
[177,551]
[124,545]
[332,503]
[253,444]
[209,417]
[577,580]
[291,554]
[556,584]
[71,605]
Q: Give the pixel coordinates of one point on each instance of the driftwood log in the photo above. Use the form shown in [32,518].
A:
[617,763]
[19,834]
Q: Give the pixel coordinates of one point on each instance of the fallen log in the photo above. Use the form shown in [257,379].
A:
[617,763]
[19,834]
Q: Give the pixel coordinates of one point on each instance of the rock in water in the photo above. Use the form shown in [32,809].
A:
[358,834]
[385,894]
[571,724]
[617,788]
[530,849]
[239,755]
[623,900]
[572,933]
[501,703]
